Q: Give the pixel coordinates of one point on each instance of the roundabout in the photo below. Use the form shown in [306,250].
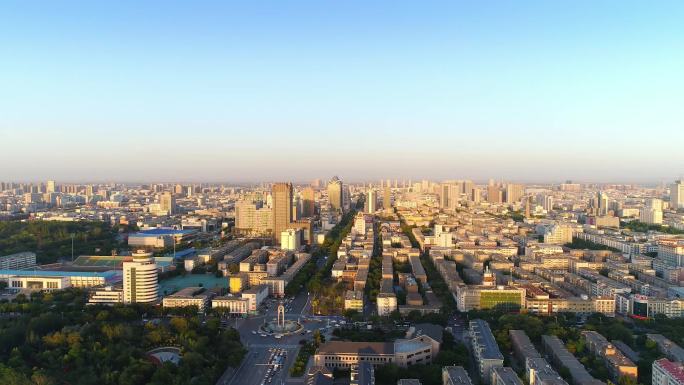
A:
[281,326]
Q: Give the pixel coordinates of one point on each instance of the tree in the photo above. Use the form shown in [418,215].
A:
[12,377]
[317,338]
[627,380]
[234,268]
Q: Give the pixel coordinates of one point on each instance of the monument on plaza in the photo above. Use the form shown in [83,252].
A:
[280,325]
[281,316]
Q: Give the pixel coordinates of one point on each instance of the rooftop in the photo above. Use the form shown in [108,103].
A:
[346,347]
[675,369]
[161,231]
[523,343]
[457,375]
[50,273]
[507,375]
[21,254]
[485,340]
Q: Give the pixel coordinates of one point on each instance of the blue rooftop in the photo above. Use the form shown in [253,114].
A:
[161,231]
[182,253]
[55,273]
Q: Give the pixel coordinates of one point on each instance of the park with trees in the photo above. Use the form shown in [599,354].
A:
[51,240]
[55,338]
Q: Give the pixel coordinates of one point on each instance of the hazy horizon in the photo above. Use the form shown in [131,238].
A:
[212,91]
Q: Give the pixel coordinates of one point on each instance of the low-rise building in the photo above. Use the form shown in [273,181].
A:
[233,305]
[666,372]
[23,260]
[505,376]
[539,372]
[255,296]
[561,357]
[618,365]
[667,347]
[353,300]
[455,375]
[485,349]
[420,348]
[189,296]
[387,303]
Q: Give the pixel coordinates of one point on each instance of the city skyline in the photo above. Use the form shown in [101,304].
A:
[341,192]
[526,91]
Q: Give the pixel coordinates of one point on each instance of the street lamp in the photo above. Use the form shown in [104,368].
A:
[72,246]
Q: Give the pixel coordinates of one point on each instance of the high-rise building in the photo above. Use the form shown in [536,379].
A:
[252,218]
[514,192]
[602,203]
[140,279]
[291,239]
[167,203]
[467,189]
[308,202]
[371,201]
[444,195]
[494,194]
[476,194]
[387,198]
[335,193]
[50,186]
[677,195]
[455,191]
[545,201]
[296,209]
[282,208]
[653,212]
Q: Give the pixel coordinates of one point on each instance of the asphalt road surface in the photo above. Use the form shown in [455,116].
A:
[254,369]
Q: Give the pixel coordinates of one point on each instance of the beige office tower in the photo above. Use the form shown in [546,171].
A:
[475,195]
[494,194]
[140,279]
[281,194]
[602,199]
[251,217]
[514,192]
[387,198]
[652,213]
[296,212]
[677,195]
[308,202]
[168,203]
[50,186]
[371,201]
[468,189]
[90,190]
[335,193]
[178,189]
[444,195]
[455,191]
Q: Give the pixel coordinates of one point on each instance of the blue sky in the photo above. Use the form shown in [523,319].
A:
[263,90]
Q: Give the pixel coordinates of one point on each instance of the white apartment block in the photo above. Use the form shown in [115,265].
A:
[666,372]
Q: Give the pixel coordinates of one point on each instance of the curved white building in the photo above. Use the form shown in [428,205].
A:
[140,279]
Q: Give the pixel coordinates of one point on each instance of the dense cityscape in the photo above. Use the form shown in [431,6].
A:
[312,192]
[376,282]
